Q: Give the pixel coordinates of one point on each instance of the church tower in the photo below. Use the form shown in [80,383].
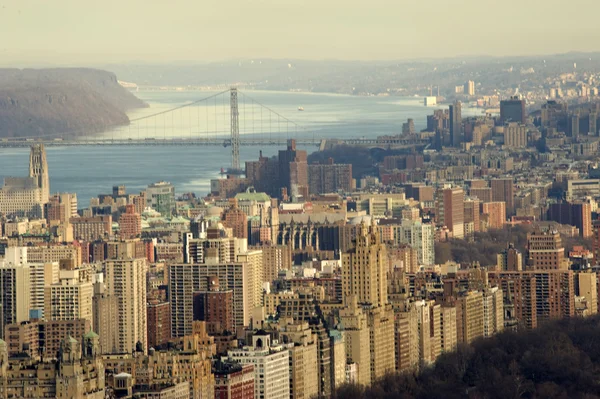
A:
[38,169]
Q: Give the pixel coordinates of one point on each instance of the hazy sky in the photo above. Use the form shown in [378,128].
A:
[94,31]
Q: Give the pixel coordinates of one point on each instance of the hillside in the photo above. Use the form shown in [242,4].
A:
[558,360]
[42,102]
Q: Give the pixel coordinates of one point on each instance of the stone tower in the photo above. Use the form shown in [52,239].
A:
[38,169]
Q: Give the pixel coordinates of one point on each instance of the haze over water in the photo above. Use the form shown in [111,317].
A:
[91,170]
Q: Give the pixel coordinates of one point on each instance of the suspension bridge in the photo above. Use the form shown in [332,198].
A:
[230,118]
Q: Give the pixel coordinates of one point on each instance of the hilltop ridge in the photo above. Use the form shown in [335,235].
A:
[48,102]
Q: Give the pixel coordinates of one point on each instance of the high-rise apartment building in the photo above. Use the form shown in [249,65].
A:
[515,135]
[304,382]
[271,366]
[130,223]
[538,295]
[61,207]
[364,282]
[504,190]
[456,129]
[185,279]
[40,338]
[513,110]
[71,297]
[573,126]
[158,320]
[511,259]
[236,220]
[293,170]
[275,258]
[42,275]
[15,291]
[493,311]
[472,216]
[329,178]
[496,212]
[573,214]
[55,253]
[545,251]
[357,336]
[483,194]
[126,280]
[469,317]
[189,361]
[469,88]
[105,310]
[419,236]
[214,307]
[520,297]
[587,287]
[451,211]
[233,380]
[91,228]
[364,268]
[160,196]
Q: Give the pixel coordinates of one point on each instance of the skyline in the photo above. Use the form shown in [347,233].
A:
[69,32]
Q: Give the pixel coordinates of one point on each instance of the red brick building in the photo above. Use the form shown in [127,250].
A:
[215,307]
[234,381]
[130,223]
[158,322]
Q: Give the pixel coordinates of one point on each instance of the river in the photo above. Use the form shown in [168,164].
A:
[92,170]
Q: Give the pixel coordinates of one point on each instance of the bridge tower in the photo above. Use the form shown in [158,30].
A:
[235,131]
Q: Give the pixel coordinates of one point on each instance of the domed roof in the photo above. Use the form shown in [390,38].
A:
[360,219]
[214,211]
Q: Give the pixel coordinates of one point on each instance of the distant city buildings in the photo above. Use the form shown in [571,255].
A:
[27,196]
[302,276]
[161,197]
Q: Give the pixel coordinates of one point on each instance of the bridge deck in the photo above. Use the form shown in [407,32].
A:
[13,143]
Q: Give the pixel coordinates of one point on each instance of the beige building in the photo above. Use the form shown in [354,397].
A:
[126,280]
[42,339]
[185,279]
[253,265]
[272,300]
[448,337]
[304,382]
[42,275]
[469,317]
[271,366]
[71,297]
[381,333]
[587,288]
[515,135]
[407,339]
[189,361]
[78,373]
[358,340]
[91,228]
[26,196]
[338,358]
[15,291]
[275,258]
[55,253]
[364,269]
[380,205]
[364,282]
[493,311]
[105,310]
